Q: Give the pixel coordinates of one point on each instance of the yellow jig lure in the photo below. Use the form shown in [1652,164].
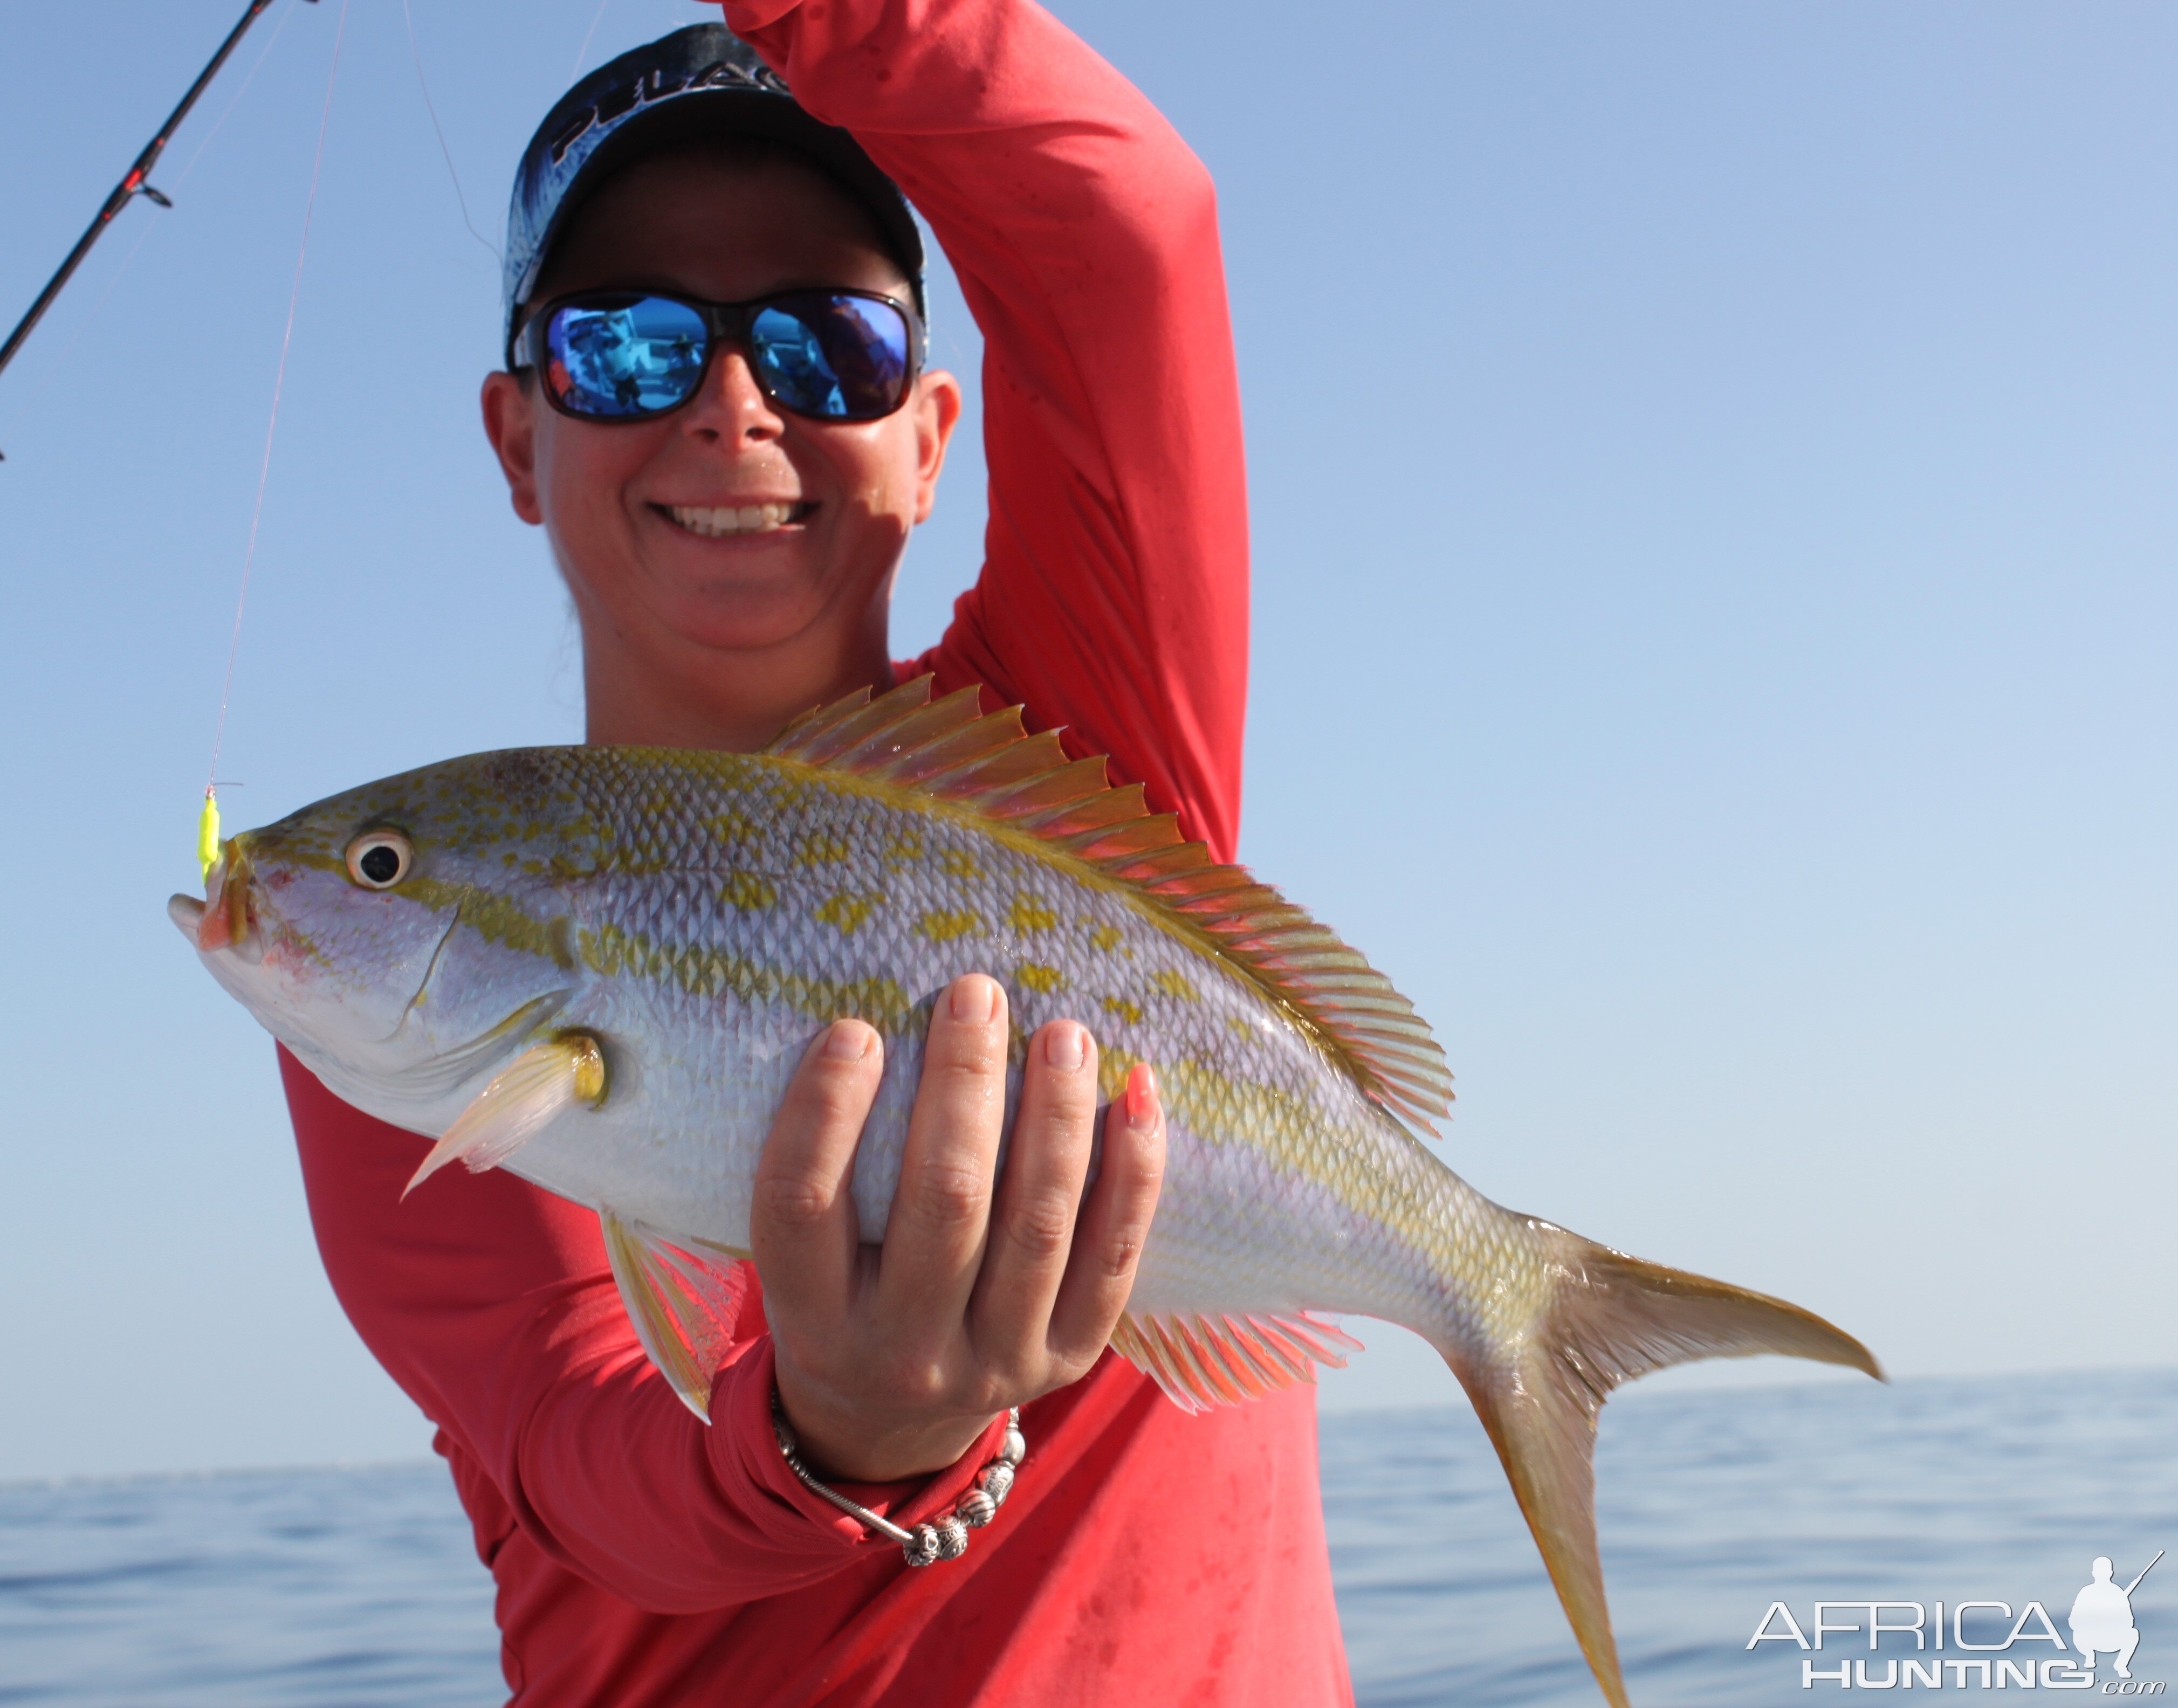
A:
[207,834]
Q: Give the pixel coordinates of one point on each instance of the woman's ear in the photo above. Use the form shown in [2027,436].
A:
[936,407]
[510,422]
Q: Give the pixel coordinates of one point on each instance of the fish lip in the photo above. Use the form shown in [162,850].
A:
[229,918]
[188,914]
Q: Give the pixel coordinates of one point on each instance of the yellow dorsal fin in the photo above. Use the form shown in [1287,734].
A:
[946,748]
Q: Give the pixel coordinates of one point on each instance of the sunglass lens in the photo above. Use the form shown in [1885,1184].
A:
[838,358]
[625,357]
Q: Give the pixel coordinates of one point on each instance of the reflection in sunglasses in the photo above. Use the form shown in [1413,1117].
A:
[830,355]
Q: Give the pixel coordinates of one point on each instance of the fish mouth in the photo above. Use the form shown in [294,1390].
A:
[224,919]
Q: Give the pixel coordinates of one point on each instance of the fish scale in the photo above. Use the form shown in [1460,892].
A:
[599,967]
[948,902]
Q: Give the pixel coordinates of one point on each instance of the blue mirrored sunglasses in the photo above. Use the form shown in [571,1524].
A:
[833,355]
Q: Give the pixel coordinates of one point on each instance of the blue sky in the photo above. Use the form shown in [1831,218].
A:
[1713,512]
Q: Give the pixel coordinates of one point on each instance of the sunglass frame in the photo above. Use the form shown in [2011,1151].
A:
[724,323]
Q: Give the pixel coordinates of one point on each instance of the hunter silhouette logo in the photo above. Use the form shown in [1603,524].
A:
[1970,1644]
[2102,1616]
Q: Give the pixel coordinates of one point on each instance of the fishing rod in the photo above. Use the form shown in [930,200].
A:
[2144,1571]
[132,185]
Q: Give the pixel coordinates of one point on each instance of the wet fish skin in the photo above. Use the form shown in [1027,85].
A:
[691,920]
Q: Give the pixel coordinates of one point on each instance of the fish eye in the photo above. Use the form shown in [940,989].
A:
[379,859]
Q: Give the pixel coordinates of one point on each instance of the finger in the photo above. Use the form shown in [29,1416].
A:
[803,1230]
[933,1240]
[1115,1223]
[1032,1222]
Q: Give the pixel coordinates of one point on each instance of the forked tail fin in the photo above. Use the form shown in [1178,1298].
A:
[1610,1318]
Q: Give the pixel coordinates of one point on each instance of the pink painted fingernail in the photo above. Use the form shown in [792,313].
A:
[1066,1045]
[1141,1096]
[848,1041]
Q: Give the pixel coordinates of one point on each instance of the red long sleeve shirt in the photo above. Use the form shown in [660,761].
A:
[1145,1556]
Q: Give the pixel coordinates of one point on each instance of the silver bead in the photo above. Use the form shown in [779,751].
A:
[952,1538]
[1016,1446]
[922,1546]
[976,1508]
[996,1479]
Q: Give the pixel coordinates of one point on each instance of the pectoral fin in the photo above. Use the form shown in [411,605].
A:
[527,1094]
[685,1306]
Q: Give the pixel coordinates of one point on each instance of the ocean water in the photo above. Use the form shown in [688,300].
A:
[1713,1505]
[309,1589]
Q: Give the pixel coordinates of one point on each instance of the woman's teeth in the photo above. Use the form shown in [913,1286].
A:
[748,518]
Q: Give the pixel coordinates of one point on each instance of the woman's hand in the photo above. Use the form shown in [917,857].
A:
[892,1360]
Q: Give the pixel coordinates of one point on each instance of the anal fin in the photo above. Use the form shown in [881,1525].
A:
[522,1099]
[1201,1361]
[685,1306]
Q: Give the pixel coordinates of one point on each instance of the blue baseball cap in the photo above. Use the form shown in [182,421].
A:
[701,81]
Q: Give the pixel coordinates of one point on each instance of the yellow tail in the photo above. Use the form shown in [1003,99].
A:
[1611,1318]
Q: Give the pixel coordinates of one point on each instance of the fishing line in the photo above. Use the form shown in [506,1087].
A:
[584,52]
[417,53]
[208,819]
[228,110]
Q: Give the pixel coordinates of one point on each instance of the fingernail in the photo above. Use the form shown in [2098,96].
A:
[1066,1045]
[1141,1096]
[847,1041]
[975,999]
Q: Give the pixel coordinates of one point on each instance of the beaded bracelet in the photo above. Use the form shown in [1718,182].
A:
[942,1539]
